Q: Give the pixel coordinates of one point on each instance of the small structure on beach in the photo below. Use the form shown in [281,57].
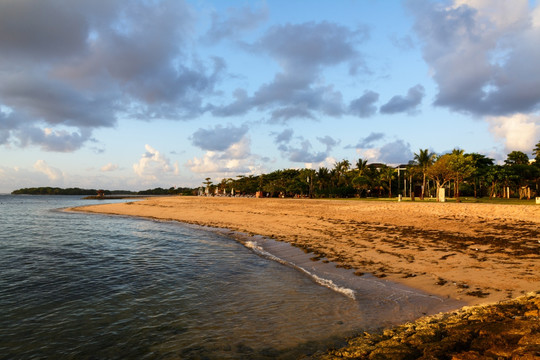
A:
[101,194]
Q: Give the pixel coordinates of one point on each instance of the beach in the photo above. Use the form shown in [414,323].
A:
[476,253]
[484,255]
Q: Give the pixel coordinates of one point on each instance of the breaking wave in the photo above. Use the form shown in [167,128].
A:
[319,280]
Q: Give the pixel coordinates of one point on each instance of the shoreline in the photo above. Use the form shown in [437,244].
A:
[476,253]
[479,254]
[285,257]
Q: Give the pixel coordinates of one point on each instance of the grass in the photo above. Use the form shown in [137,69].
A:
[464,199]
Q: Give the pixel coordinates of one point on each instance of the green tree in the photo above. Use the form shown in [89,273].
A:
[517,158]
[440,172]
[520,173]
[342,178]
[323,181]
[482,164]
[462,167]
[387,174]
[424,159]
[207,183]
[361,166]
[341,168]
[536,153]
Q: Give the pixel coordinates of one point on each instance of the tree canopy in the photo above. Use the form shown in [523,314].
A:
[457,172]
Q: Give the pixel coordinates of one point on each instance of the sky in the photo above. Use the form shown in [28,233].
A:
[137,94]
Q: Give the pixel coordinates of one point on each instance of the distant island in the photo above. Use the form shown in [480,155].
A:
[102,193]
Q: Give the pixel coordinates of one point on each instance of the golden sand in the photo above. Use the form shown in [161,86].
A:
[478,253]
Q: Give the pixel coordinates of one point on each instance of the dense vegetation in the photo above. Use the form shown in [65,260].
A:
[459,173]
[78,191]
[58,191]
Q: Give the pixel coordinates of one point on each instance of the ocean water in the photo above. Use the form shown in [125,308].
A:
[87,286]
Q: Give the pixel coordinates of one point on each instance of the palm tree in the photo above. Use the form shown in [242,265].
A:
[323,180]
[536,153]
[341,169]
[387,174]
[425,159]
[361,166]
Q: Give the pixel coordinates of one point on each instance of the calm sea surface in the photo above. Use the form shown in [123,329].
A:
[81,286]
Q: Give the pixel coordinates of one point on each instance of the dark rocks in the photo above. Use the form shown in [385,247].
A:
[507,330]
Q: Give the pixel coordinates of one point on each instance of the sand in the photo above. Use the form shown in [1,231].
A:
[476,253]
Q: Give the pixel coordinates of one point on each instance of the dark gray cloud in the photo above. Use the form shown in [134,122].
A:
[235,21]
[239,106]
[219,138]
[303,51]
[482,64]
[367,142]
[37,98]
[41,30]
[304,154]
[67,68]
[329,142]
[16,131]
[284,114]
[52,140]
[364,106]
[303,47]
[8,122]
[301,150]
[407,103]
[283,137]
[396,152]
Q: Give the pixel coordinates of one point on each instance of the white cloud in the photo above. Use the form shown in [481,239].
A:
[503,13]
[236,160]
[109,167]
[51,172]
[536,17]
[519,132]
[327,163]
[215,163]
[152,165]
[371,155]
[209,163]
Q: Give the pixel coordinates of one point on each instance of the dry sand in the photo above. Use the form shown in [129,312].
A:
[477,253]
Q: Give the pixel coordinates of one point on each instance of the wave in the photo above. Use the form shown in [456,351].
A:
[319,280]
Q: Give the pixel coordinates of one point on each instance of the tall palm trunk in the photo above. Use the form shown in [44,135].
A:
[423,185]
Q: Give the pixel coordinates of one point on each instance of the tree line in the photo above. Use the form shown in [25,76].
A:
[457,172]
[46,190]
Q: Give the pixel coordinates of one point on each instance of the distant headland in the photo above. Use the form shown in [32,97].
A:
[100,194]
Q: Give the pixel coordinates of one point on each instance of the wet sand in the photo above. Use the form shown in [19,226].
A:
[476,253]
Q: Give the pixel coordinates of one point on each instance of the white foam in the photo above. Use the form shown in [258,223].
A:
[319,280]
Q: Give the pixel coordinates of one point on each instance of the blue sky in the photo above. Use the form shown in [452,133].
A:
[137,94]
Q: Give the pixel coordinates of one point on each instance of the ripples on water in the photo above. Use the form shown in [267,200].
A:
[81,286]
[90,286]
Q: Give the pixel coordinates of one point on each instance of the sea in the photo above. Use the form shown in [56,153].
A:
[89,286]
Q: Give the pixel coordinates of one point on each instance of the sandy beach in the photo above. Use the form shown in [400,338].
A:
[484,255]
[476,253]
